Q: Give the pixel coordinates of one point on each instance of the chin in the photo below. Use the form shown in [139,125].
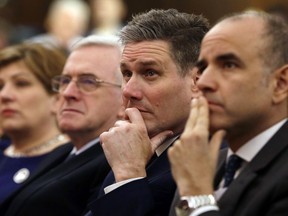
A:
[68,126]
[213,127]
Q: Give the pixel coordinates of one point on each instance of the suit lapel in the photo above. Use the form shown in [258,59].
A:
[64,169]
[160,164]
[53,159]
[261,161]
[78,161]
[220,168]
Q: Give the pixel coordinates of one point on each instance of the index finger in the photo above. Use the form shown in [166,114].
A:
[198,117]
[202,120]
[134,116]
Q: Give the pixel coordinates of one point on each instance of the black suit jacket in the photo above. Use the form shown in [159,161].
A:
[262,186]
[149,196]
[59,187]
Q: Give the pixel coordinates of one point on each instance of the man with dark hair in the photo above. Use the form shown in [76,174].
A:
[244,80]
[160,50]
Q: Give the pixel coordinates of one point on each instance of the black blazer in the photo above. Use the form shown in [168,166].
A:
[262,186]
[60,188]
[149,196]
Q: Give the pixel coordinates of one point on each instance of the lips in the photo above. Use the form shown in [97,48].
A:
[214,105]
[8,112]
[141,109]
[136,105]
[70,111]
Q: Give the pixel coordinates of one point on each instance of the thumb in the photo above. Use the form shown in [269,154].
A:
[157,140]
[215,143]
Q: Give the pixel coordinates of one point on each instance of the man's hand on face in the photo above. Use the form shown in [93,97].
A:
[192,157]
[128,147]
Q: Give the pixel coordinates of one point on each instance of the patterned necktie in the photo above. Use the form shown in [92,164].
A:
[234,163]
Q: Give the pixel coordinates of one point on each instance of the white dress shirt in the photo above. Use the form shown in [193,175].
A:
[158,151]
[247,152]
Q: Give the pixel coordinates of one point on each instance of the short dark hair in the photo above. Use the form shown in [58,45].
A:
[183,32]
[276,32]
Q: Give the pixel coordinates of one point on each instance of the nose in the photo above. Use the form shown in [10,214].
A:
[207,80]
[6,93]
[71,91]
[132,89]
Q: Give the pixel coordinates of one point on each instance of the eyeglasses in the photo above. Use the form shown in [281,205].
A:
[86,83]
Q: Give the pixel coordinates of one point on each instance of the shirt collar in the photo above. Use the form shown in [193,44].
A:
[166,144]
[85,147]
[249,150]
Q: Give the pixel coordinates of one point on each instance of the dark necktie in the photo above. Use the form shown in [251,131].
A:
[70,157]
[234,163]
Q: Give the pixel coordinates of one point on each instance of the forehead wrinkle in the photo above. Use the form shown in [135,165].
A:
[224,45]
[134,51]
[238,35]
[142,62]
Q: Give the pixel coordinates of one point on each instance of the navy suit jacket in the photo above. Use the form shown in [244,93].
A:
[149,196]
[60,188]
[262,186]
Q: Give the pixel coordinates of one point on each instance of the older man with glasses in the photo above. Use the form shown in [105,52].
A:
[85,82]
[89,103]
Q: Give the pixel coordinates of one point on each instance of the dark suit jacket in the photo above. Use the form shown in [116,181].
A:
[149,196]
[62,189]
[262,186]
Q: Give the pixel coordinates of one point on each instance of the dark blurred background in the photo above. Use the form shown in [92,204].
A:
[27,16]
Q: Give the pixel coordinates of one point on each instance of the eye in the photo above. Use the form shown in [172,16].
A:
[22,83]
[150,73]
[127,74]
[200,68]
[88,81]
[64,80]
[230,65]
[1,85]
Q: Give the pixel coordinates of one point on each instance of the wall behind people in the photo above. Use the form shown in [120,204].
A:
[30,14]
[5,33]
[107,16]
[65,23]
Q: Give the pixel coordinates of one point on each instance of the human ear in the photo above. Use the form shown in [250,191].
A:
[280,84]
[194,88]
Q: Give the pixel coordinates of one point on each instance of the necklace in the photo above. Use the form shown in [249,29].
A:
[12,152]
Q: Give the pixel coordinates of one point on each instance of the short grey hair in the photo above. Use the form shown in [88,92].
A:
[101,40]
[105,40]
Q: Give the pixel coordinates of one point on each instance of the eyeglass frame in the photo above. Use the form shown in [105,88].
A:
[56,81]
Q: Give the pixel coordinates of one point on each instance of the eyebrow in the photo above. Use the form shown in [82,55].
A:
[140,62]
[221,58]
[87,74]
[229,57]
[22,75]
